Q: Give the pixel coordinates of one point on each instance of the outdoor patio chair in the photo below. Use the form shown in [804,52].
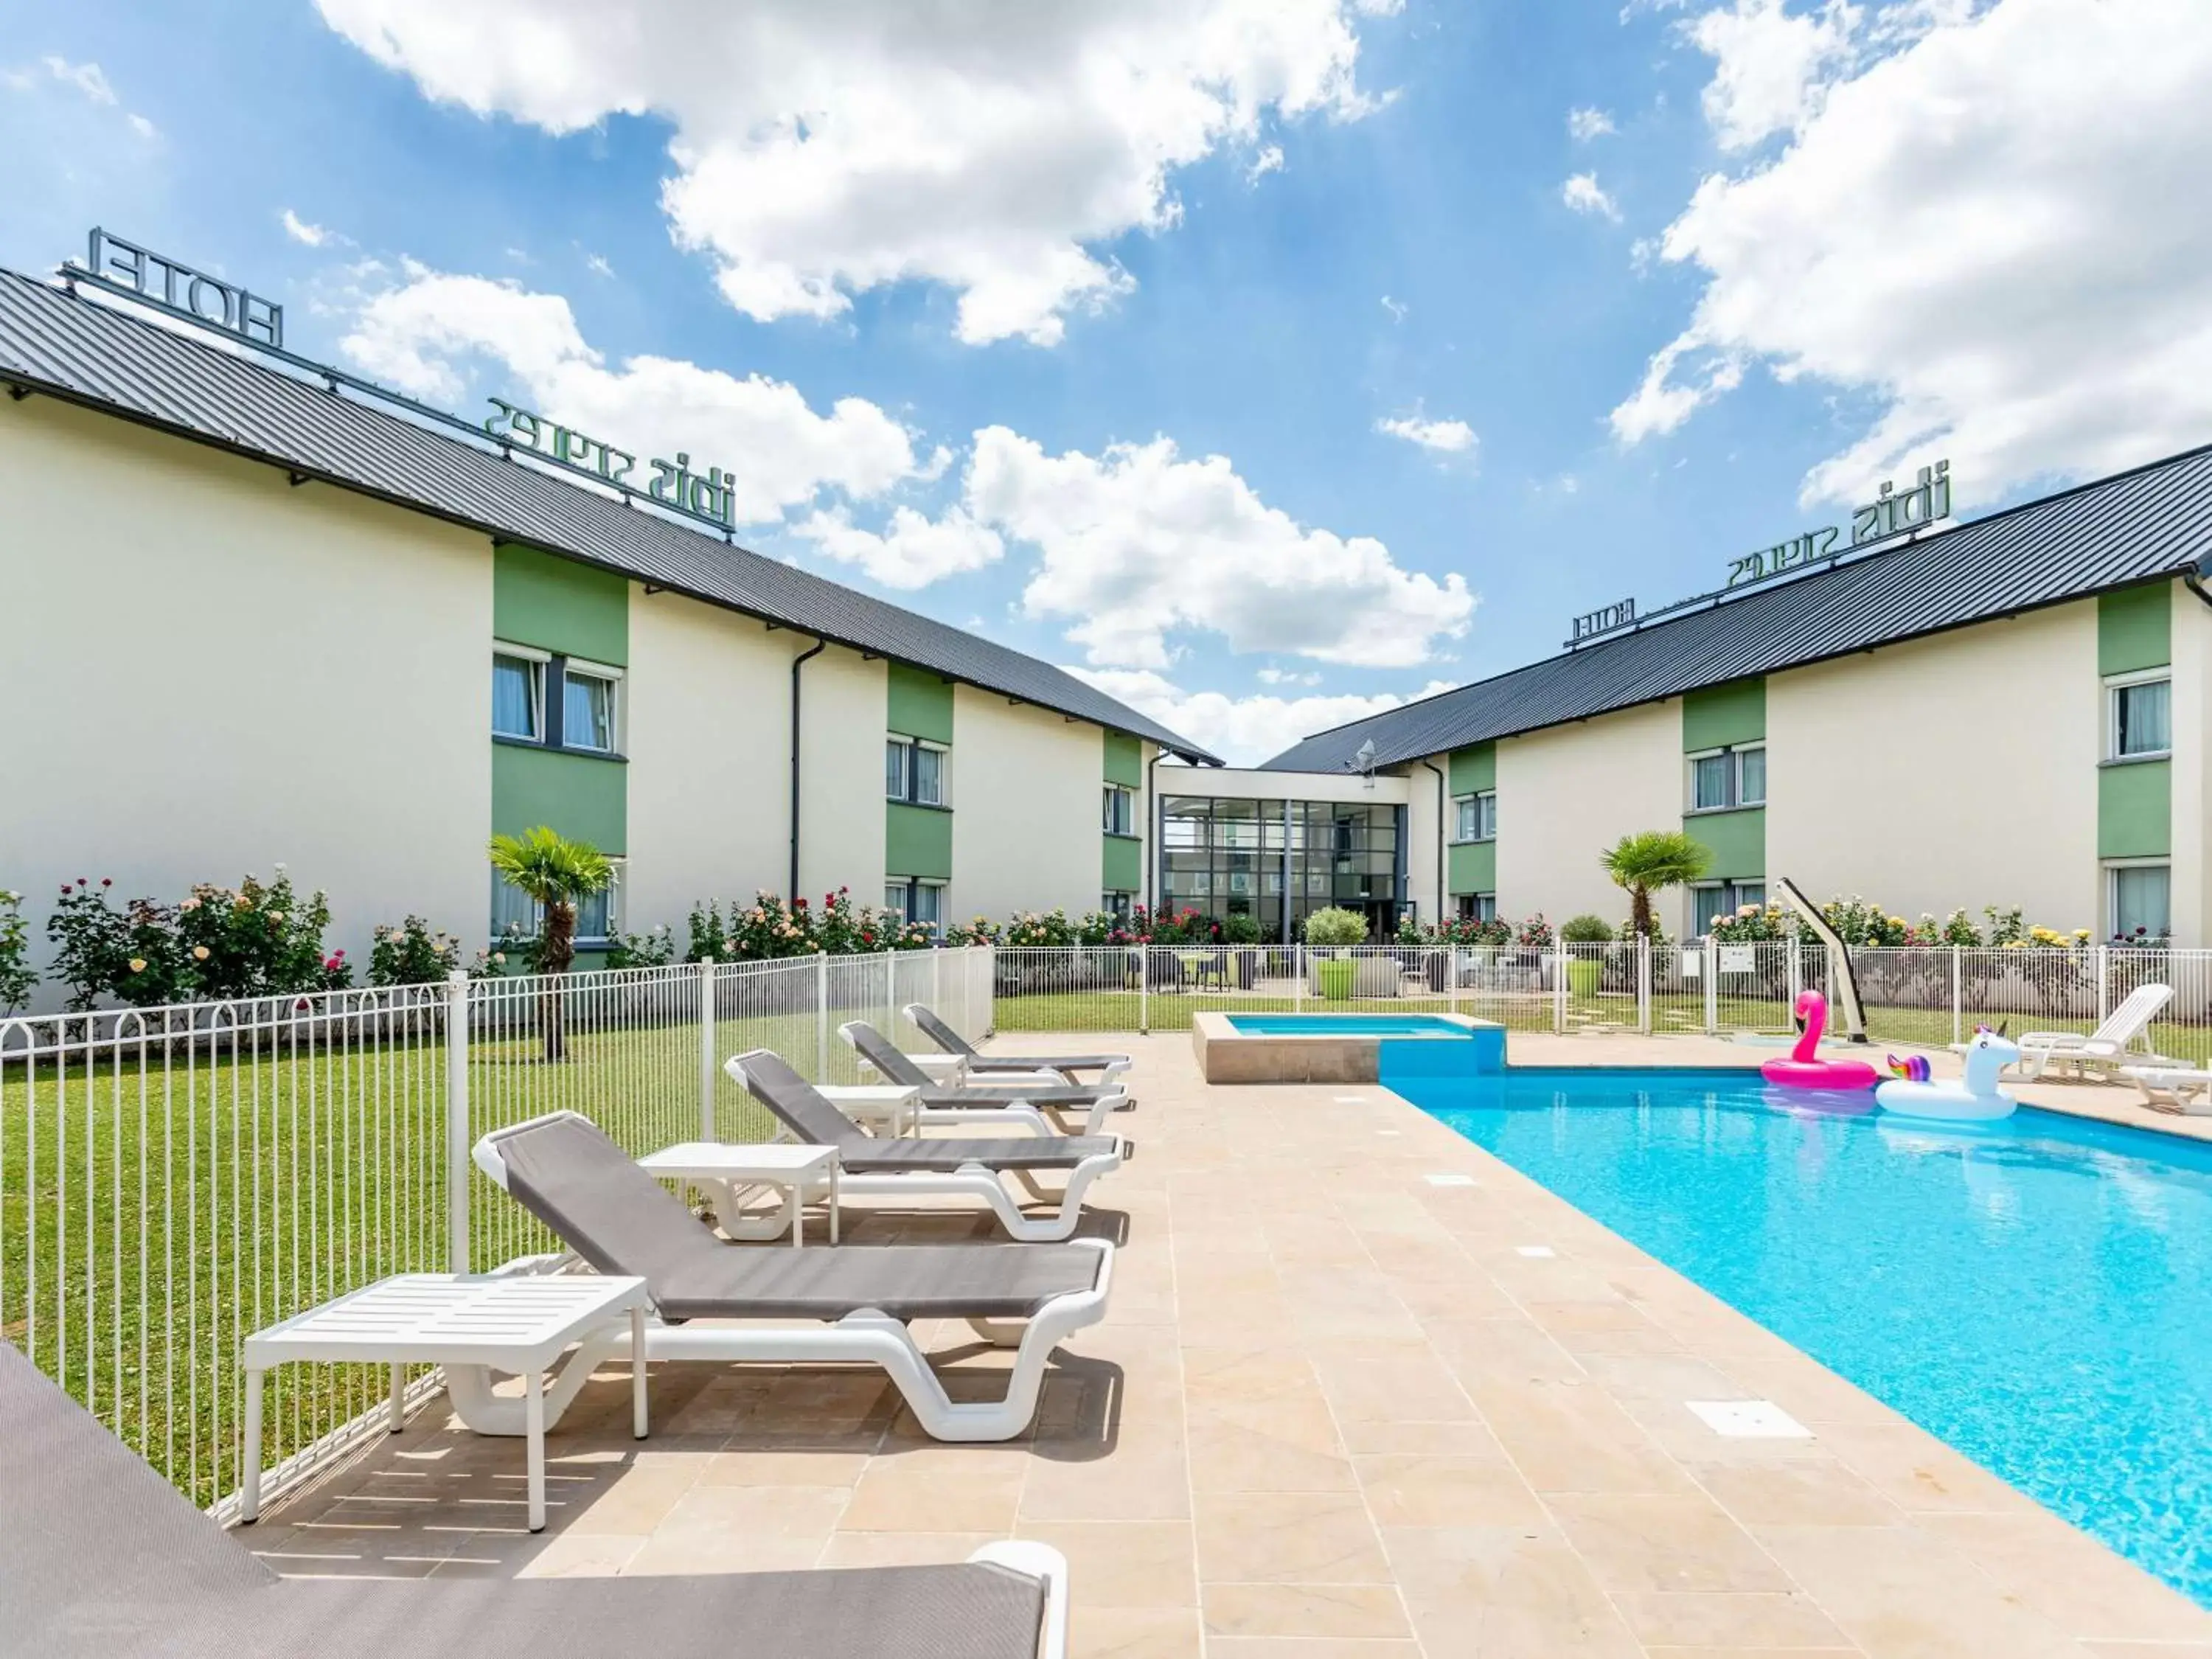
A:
[621,1220]
[2104,1048]
[102,1558]
[981,1103]
[2185,1088]
[917,1166]
[979,1063]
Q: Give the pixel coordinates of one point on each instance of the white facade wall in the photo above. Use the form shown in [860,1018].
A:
[214,672]
[844,705]
[709,746]
[1426,822]
[1027,829]
[1567,793]
[2192,785]
[1960,770]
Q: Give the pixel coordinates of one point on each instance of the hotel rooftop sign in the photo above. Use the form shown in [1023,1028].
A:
[138,273]
[1890,513]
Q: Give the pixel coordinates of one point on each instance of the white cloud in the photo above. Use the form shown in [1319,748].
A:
[598,264]
[1397,308]
[1584,124]
[1769,64]
[1583,194]
[425,336]
[1444,437]
[1242,731]
[1139,544]
[1979,231]
[88,78]
[914,552]
[301,231]
[1268,161]
[141,125]
[823,149]
[1285,676]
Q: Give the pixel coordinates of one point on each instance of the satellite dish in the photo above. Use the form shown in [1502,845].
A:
[1365,760]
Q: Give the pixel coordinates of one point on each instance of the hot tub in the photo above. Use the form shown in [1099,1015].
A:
[1337,1048]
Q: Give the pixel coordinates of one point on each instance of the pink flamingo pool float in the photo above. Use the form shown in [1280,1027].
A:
[1802,1070]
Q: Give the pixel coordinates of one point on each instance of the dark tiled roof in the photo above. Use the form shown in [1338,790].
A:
[2155,521]
[109,359]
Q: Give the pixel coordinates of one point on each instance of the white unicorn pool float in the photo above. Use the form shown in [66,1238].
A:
[1975,1098]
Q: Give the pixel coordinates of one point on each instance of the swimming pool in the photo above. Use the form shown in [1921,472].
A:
[2037,1292]
[1376,1026]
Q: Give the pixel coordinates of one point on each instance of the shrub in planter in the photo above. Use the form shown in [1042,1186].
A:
[1333,978]
[1333,928]
[17,974]
[1585,972]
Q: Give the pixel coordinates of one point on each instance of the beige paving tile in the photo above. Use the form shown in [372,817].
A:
[1504,1593]
[1316,1538]
[1127,1486]
[1734,1621]
[1370,1612]
[1795,1492]
[1420,1489]
[1640,1542]
[2038,1560]
[1135,1633]
[1125,1564]
[902,1549]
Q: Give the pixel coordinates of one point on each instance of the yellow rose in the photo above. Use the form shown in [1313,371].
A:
[137,964]
[199,953]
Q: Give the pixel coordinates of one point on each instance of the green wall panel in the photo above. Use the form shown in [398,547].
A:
[1473,770]
[1473,866]
[1125,760]
[1724,714]
[917,840]
[2135,809]
[585,798]
[1738,840]
[557,604]
[920,706]
[1121,867]
[2134,629]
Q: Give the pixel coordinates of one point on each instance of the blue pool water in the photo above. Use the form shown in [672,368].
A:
[2036,1292]
[1346,1025]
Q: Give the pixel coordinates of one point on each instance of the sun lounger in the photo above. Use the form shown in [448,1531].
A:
[980,1064]
[101,1558]
[974,1103]
[621,1220]
[931,1166]
[2186,1088]
[2103,1049]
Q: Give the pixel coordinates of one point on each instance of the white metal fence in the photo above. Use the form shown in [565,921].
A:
[1910,994]
[172,1179]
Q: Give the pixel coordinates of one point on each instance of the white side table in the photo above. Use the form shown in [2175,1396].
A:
[520,1323]
[893,1109]
[946,1071]
[791,1167]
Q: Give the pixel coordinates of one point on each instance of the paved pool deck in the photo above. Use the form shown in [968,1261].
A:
[1339,1411]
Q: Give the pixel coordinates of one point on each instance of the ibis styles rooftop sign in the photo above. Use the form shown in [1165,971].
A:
[1891,513]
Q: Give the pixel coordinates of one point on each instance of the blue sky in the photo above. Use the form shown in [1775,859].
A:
[972,301]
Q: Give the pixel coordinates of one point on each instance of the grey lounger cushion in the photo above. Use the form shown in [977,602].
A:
[101,1558]
[953,1043]
[622,1220]
[880,1051]
[803,1110]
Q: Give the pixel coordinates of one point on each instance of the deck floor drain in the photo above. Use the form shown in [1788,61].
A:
[1349,1100]
[1748,1419]
[1534,1251]
[1447,1178]
[1386,1132]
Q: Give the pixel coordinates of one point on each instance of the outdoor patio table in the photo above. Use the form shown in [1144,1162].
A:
[789,1166]
[516,1322]
[893,1109]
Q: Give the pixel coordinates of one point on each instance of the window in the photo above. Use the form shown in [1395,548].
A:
[518,695]
[2140,899]
[514,911]
[2142,719]
[913,771]
[1477,907]
[1722,780]
[1118,905]
[1477,817]
[917,901]
[1121,810]
[587,710]
[1711,900]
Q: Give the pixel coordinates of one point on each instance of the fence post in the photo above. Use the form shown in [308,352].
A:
[1644,983]
[937,984]
[457,1122]
[1451,978]
[1958,999]
[706,1048]
[1559,987]
[821,1016]
[1796,974]
[2104,982]
[1712,986]
[1144,990]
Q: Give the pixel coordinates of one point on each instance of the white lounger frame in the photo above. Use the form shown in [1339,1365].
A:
[976,1181]
[999,1070]
[1020,1113]
[865,1336]
[2186,1088]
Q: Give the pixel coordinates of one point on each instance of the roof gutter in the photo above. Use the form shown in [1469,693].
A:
[797,663]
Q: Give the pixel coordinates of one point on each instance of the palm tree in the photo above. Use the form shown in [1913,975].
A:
[555,872]
[1650,861]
